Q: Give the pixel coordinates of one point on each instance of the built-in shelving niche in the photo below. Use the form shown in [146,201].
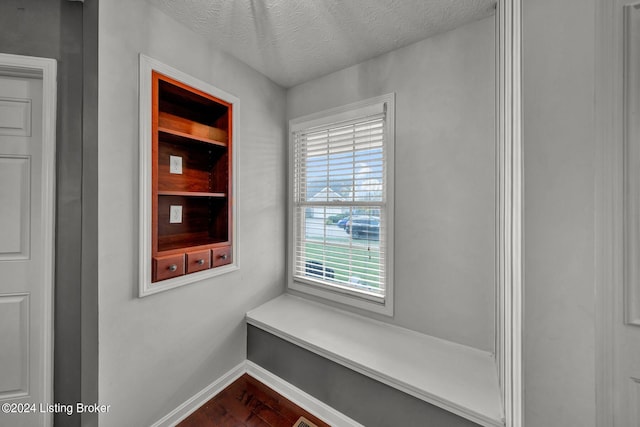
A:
[187,178]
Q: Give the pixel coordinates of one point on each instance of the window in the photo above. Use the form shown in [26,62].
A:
[341,186]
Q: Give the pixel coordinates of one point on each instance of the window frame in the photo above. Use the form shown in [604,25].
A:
[343,295]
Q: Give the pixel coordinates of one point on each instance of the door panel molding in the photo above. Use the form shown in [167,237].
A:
[635,386]
[15,174]
[14,353]
[631,118]
[15,116]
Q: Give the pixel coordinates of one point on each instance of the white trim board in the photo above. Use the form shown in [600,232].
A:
[457,378]
[299,397]
[510,195]
[277,384]
[200,398]
[608,196]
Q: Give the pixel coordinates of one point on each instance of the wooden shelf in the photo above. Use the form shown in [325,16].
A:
[175,136]
[192,194]
[192,129]
[204,220]
[182,243]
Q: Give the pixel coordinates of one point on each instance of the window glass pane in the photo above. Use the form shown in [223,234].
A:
[341,246]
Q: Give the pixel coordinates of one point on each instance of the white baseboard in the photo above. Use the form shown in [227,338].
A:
[300,398]
[202,397]
[277,384]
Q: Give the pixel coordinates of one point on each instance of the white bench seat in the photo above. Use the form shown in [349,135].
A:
[457,378]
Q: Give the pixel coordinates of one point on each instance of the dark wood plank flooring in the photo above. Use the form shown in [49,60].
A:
[248,403]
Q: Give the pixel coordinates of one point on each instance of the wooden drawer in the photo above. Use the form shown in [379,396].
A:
[167,267]
[197,261]
[221,256]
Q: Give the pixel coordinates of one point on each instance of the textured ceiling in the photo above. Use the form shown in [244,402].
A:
[292,41]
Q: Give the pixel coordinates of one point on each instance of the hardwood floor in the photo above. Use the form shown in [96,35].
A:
[248,403]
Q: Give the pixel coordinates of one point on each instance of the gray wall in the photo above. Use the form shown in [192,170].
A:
[89,293]
[53,29]
[361,398]
[559,245]
[157,352]
[445,175]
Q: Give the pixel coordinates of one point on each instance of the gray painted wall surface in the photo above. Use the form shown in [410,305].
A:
[53,29]
[89,294]
[157,352]
[445,175]
[367,401]
[559,242]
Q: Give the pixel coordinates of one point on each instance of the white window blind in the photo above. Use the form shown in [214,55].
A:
[340,204]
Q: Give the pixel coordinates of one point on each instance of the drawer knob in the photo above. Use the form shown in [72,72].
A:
[223,256]
[200,262]
[173,267]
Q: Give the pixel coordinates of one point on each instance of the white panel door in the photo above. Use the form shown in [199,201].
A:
[23,324]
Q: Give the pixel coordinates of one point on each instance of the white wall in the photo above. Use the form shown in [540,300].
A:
[445,174]
[559,167]
[158,351]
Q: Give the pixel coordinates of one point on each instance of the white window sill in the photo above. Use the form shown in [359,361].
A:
[459,379]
